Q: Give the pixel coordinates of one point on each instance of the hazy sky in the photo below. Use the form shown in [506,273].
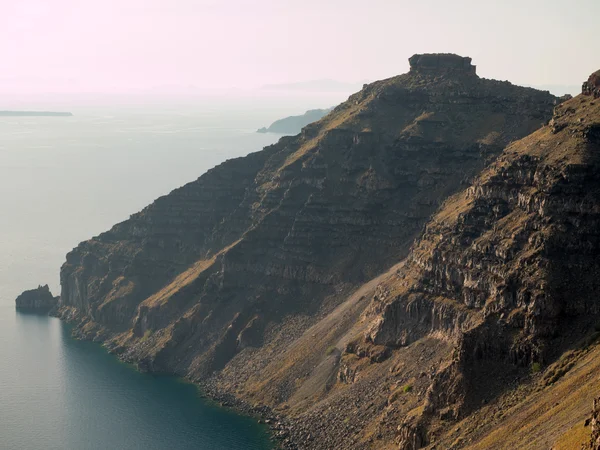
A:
[116,45]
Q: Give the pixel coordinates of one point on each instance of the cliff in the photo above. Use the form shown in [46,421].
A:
[499,294]
[39,299]
[293,125]
[253,279]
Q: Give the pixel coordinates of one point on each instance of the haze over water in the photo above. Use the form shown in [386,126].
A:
[64,180]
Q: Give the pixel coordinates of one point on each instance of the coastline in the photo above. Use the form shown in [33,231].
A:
[280,428]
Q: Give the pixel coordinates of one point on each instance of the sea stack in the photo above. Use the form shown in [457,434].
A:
[39,299]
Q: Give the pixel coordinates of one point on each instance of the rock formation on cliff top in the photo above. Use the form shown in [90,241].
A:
[227,275]
[440,62]
[39,299]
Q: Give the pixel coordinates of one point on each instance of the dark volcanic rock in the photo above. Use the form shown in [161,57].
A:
[441,61]
[39,299]
[224,274]
[505,268]
[592,85]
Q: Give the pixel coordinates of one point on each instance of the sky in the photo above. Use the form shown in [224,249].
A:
[137,45]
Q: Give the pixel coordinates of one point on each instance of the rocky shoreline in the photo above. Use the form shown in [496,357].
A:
[282,430]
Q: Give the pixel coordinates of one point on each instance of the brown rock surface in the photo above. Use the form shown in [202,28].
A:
[592,85]
[507,271]
[245,279]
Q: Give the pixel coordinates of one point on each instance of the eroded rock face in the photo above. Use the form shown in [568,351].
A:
[39,299]
[595,424]
[256,249]
[592,85]
[504,264]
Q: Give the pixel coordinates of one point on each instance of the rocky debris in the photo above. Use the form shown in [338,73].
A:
[225,274]
[39,299]
[592,85]
[411,436]
[441,61]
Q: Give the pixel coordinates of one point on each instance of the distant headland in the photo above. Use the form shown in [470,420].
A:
[34,114]
[293,125]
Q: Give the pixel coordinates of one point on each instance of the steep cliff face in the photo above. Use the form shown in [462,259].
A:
[594,443]
[230,272]
[262,237]
[519,246]
[506,272]
[592,85]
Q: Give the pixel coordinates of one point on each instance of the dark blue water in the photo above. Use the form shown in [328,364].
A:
[60,393]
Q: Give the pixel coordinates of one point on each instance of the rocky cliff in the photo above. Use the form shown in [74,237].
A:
[39,299]
[506,273]
[246,278]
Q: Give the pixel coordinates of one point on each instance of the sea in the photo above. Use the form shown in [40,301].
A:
[64,180]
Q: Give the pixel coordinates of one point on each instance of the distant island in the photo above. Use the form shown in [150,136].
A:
[34,114]
[293,125]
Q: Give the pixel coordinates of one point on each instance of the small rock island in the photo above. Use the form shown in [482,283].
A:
[39,300]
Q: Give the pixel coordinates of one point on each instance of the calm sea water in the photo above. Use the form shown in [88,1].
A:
[63,180]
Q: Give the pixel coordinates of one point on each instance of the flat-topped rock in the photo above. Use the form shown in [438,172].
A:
[441,62]
[39,299]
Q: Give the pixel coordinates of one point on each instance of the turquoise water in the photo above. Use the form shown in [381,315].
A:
[59,393]
[63,180]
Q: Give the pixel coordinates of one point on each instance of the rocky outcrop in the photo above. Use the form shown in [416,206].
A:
[592,85]
[39,299]
[293,125]
[226,274]
[595,425]
[441,61]
[504,266]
